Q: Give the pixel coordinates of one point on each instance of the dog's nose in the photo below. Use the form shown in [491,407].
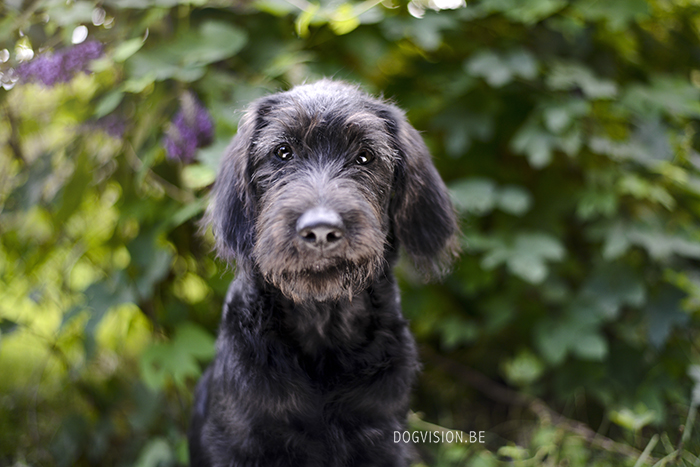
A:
[321,228]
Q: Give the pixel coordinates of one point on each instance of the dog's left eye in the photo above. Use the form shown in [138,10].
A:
[284,152]
[364,158]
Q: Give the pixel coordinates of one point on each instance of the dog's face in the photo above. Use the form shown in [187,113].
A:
[320,183]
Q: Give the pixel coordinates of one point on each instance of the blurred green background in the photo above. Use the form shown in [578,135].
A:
[566,130]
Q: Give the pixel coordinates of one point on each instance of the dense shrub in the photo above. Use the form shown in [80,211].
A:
[568,332]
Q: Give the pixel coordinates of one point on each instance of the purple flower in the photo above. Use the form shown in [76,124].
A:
[78,58]
[112,124]
[191,128]
[61,66]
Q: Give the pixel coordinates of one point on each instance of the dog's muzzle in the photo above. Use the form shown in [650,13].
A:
[321,228]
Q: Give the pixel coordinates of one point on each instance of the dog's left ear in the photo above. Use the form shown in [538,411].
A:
[232,209]
[424,218]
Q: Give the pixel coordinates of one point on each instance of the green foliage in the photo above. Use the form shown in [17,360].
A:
[566,130]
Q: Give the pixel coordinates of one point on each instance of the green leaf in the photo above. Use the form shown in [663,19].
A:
[344,19]
[73,193]
[275,7]
[70,14]
[594,202]
[523,369]
[517,453]
[613,285]
[489,66]
[649,146]
[560,116]
[211,155]
[177,360]
[195,341]
[185,57]
[576,331]
[535,143]
[127,48]
[215,41]
[455,332]
[694,373]
[664,312]
[569,76]
[641,188]
[541,245]
[461,127]
[303,21]
[528,12]
[108,103]
[660,244]
[634,421]
[528,267]
[156,453]
[499,70]
[616,13]
[514,200]
[526,256]
[522,63]
[102,297]
[30,193]
[196,176]
[427,32]
[590,346]
[187,212]
[667,94]
[474,195]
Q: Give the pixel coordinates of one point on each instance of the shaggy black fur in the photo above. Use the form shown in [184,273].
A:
[314,361]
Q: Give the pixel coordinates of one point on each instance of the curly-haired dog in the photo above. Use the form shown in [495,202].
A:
[314,360]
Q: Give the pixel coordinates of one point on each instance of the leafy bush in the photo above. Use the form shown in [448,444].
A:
[568,332]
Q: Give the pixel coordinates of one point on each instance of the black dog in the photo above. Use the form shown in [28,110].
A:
[314,360]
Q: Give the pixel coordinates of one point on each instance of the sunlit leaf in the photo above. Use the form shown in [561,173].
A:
[632,420]
[305,18]
[523,369]
[344,19]
[127,49]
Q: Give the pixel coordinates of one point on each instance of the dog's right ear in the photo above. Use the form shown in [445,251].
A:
[231,210]
[425,221]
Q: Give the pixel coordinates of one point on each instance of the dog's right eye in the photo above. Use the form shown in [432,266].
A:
[284,152]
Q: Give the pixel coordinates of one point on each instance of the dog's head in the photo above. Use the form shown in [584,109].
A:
[321,184]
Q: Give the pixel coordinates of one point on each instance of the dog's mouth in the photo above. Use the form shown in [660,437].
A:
[325,270]
[328,269]
[324,279]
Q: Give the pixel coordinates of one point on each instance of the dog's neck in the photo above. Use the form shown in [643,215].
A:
[316,327]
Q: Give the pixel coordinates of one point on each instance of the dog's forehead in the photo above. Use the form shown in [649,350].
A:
[327,93]
[324,115]
[325,106]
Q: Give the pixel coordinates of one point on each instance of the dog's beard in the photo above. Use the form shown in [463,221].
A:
[327,281]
